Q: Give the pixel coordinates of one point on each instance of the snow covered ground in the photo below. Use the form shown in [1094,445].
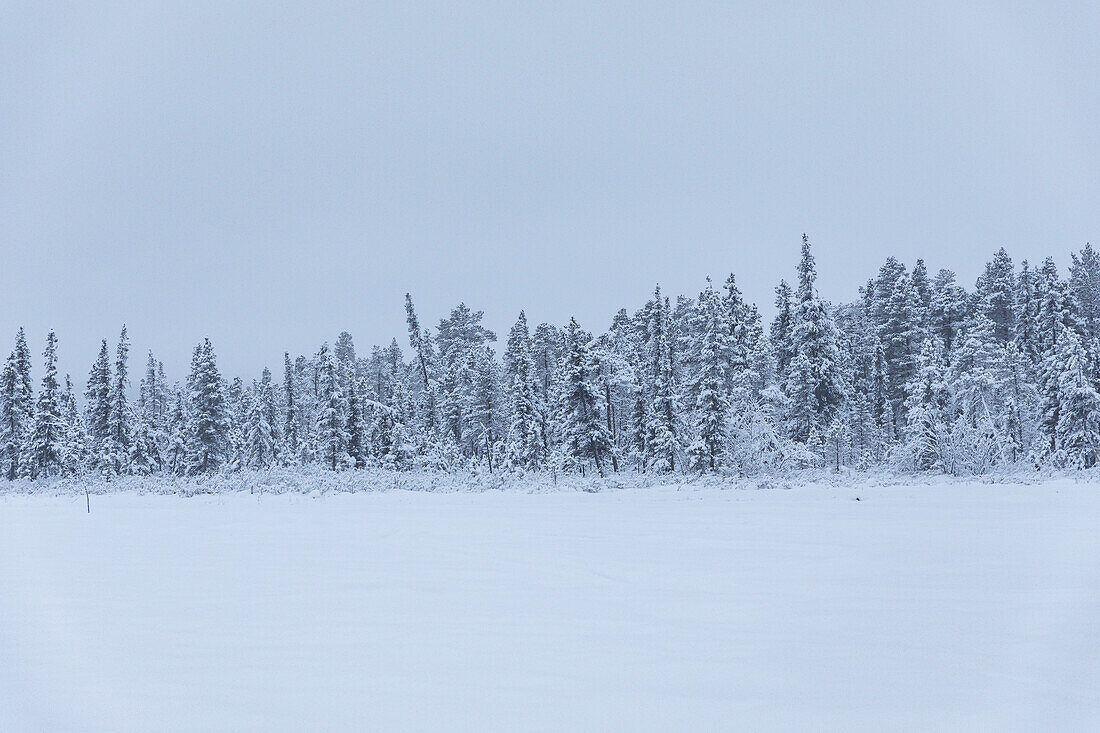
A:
[961,607]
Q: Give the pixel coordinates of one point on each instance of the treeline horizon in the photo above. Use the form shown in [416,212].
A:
[917,374]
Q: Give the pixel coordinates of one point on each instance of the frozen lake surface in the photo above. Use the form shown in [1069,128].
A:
[930,607]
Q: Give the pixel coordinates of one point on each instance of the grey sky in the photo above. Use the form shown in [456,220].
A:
[271,174]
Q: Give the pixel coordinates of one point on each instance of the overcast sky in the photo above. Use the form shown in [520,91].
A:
[274,173]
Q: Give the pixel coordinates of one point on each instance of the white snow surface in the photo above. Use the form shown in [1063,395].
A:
[933,607]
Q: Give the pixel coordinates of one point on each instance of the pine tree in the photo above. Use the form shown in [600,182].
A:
[290,449]
[1052,308]
[1084,292]
[641,406]
[144,456]
[98,396]
[424,360]
[1053,320]
[922,293]
[208,423]
[48,436]
[259,436]
[928,408]
[1026,306]
[346,363]
[483,409]
[331,435]
[815,386]
[1078,431]
[585,435]
[894,314]
[712,403]
[74,453]
[115,452]
[358,449]
[996,294]
[177,449]
[525,441]
[949,309]
[662,440]
[16,407]
[781,332]
[153,393]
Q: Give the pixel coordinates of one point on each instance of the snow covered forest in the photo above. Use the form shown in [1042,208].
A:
[919,374]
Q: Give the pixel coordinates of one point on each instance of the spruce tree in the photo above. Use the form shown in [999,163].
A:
[524,442]
[16,407]
[1077,434]
[259,436]
[1027,313]
[331,434]
[290,448]
[177,449]
[894,313]
[781,332]
[483,410]
[115,452]
[928,408]
[423,359]
[815,387]
[585,435]
[712,404]
[996,293]
[208,423]
[662,440]
[922,293]
[98,396]
[74,454]
[144,457]
[48,436]
[1084,292]
[949,309]
[358,449]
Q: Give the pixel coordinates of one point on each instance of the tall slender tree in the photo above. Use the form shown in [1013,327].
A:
[48,437]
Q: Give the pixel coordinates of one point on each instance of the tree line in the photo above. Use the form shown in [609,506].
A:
[916,374]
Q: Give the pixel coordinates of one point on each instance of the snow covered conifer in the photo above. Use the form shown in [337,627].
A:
[115,451]
[208,422]
[922,294]
[98,396]
[259,435]
[153,393]
[424,362]
[712,403]
[1077,434]
[16,407]
[524,443]
[290,441]
[996,293]
[331,435]
[358,449]
[782,330]
[894,313]
[74,451]
[1027,312]
[144,456]
[949,308]
[662,440]
[584,433]
[48,433]
[928,408]
[815,386]
[1084,292]
[177,450]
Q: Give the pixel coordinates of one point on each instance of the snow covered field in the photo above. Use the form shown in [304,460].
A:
[964,607]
